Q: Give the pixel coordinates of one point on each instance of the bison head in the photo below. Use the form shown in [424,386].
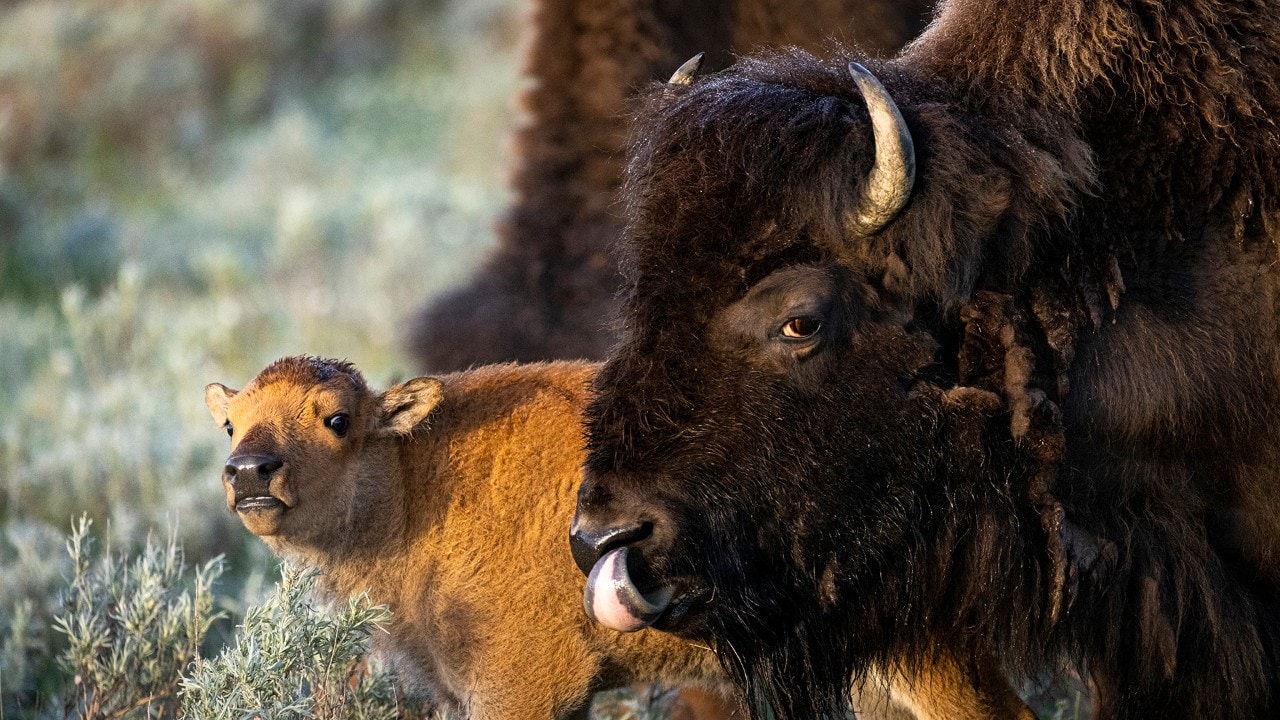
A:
[781,436]
[301,445]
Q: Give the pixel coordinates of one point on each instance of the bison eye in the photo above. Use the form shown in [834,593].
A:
[800,328]
[230,430]
[339,424]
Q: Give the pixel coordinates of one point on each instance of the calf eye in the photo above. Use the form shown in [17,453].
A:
[339,424]
[800,328]
[230,430]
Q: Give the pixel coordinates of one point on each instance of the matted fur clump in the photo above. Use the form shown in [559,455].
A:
[1031,419]
[547,291]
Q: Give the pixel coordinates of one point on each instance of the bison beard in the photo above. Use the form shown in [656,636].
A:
[1035,417]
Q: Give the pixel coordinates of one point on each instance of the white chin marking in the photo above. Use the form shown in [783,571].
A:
[614,601]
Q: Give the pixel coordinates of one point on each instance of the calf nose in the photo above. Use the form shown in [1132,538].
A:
[588,543]
[251,473]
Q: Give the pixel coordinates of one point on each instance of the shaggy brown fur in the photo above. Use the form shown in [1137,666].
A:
[547,290]
[1040,418]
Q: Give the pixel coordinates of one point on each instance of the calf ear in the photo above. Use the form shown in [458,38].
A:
[408,404]
[218,397]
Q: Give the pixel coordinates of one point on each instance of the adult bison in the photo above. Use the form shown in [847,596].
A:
[992,368]
[548,287]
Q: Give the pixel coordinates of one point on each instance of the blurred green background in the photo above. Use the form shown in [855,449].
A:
[190,189]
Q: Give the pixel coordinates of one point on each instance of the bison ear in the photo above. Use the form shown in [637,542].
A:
[218,397]
[406,405]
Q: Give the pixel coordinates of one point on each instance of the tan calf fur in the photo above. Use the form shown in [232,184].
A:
[449,500]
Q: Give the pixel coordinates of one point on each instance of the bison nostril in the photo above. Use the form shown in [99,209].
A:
[588,546]
[251,469]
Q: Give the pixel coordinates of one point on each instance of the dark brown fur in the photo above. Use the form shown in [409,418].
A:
[547,290]
[1044,425]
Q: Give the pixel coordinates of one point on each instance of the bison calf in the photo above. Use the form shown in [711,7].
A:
[448,500]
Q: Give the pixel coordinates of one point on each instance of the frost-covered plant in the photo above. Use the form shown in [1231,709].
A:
[34,569]
[292,659]
[132,625]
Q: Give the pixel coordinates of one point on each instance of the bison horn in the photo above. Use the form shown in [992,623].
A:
[894,171]
[685,73]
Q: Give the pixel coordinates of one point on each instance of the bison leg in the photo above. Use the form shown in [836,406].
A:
[942,687]
[699,704]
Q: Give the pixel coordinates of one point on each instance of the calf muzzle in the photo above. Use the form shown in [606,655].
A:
[249,476]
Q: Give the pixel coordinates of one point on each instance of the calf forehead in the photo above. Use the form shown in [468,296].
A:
[285,404]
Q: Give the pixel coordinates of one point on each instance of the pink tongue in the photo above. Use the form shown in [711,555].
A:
[604,602]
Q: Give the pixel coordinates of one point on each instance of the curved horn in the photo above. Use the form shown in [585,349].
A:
[889,183]
[684,74]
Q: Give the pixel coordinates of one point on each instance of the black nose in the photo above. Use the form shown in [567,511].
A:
[589,544]
[251,472]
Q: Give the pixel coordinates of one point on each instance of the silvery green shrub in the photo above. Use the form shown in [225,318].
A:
[292,659]
[132,625]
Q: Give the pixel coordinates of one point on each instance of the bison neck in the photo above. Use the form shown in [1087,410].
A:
[362,545]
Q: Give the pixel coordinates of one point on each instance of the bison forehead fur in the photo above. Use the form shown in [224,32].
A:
[1034,418]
